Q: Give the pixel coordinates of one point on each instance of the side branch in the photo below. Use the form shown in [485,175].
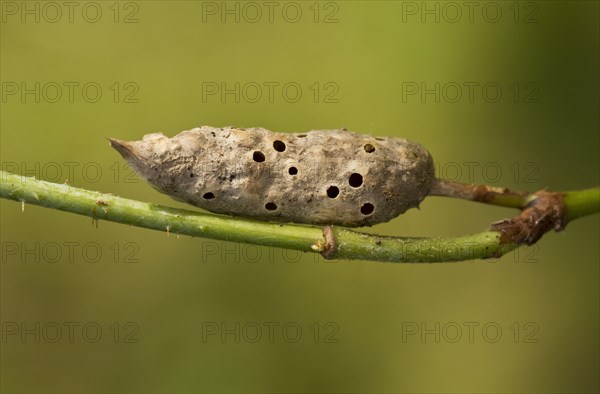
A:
[480,193]
[331,242]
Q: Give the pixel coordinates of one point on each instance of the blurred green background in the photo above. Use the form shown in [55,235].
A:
[155,313]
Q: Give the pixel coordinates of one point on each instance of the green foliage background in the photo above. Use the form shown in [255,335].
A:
[180,283]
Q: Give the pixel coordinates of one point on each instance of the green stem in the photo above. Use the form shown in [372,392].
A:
[355,245]
[582,202]
[140,214]
[338,242]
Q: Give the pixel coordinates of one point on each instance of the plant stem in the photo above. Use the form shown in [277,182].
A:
[581,203]
[140,214]
[480,193]
[355,245]
[332,242]
[577,203]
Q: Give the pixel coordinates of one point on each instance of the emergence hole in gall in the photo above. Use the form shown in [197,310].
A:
[369,148]
[367,209]
[355,180]
[270,206]
[258,157]
[208,196]
[293,171]
[333,192]
[279,145]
